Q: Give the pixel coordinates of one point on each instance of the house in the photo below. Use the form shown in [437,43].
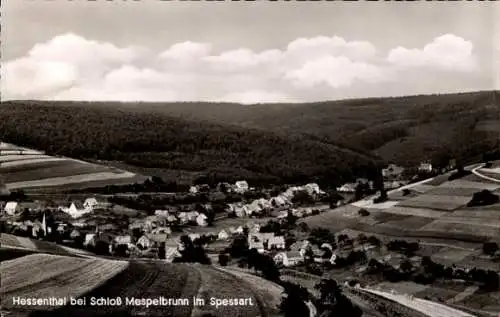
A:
[276,242]
[157,238]
[162,213]
[259,241]
[347,188]
[223,235]
[12,208]
[90,239]
[283,214]
[76,210]
[290,258]
[194,236]
[312,188]
[91,203]
[74,234]
[425,167]
[127,239]
[201,220]
[144,242]
[241,186]
[194,189]
[278,201]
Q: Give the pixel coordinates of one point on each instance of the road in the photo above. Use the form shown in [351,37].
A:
[475,172]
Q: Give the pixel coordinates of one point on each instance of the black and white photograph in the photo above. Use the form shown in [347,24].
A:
[250,158]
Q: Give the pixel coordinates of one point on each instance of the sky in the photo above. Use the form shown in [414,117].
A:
[247,52]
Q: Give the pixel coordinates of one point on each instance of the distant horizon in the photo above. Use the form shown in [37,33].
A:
[296,53]
[252,104]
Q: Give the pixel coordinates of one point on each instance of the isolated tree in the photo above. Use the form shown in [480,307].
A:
[223,259]
[293,301]
[490,248]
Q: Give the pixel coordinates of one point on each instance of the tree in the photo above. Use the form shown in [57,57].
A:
[238,247]
[293,301]
[223,259]
[490,248]
[363,212]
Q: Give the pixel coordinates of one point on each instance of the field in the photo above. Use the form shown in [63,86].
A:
[44,275]
[8,241]
[33,170]
[456,227]
[437,202]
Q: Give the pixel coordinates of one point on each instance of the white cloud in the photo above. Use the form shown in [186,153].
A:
[72,67]
[447,52]
[337,72]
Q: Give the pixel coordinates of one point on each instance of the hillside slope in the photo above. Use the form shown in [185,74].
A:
[64,276]
[219,152]
[401,129]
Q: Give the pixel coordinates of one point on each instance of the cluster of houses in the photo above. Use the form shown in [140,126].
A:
[75,209]
[283,200]
[239,187]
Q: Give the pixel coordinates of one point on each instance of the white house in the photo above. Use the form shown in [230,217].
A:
[290,258]
[127,239]
[144,242]
[76,210]
[90,239]
[223,235]
[12,208]
[347,188]
[241,186]
[194,189]
[425,167]
[240,211]
[162,213]
[90,203]
[276,242]
[201,220]
[194,236]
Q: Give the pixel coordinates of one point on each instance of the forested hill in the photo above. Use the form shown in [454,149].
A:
[405,130]
[152,139]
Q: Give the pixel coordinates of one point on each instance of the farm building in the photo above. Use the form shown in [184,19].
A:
[276,242]
[194,189]
[90,239]
[12,208]
[144,242]
[127,239]
[76,210]
[259,241]
[162,213]
[241,186]
[91,203]
[194,236]
[201,220]
[75,234]
[290,258]
[347,188]
[223,235]
[425,167]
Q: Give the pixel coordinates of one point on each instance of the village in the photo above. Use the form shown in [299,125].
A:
[100,225]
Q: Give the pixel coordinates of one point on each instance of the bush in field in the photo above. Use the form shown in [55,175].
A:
[363,212]
[223,259]
[483,198]
[490,248]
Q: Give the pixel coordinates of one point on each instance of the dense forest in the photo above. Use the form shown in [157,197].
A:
[148,139]
[404,130]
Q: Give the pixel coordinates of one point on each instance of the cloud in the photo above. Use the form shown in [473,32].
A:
[75,68]
[336,72]
[446,52]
